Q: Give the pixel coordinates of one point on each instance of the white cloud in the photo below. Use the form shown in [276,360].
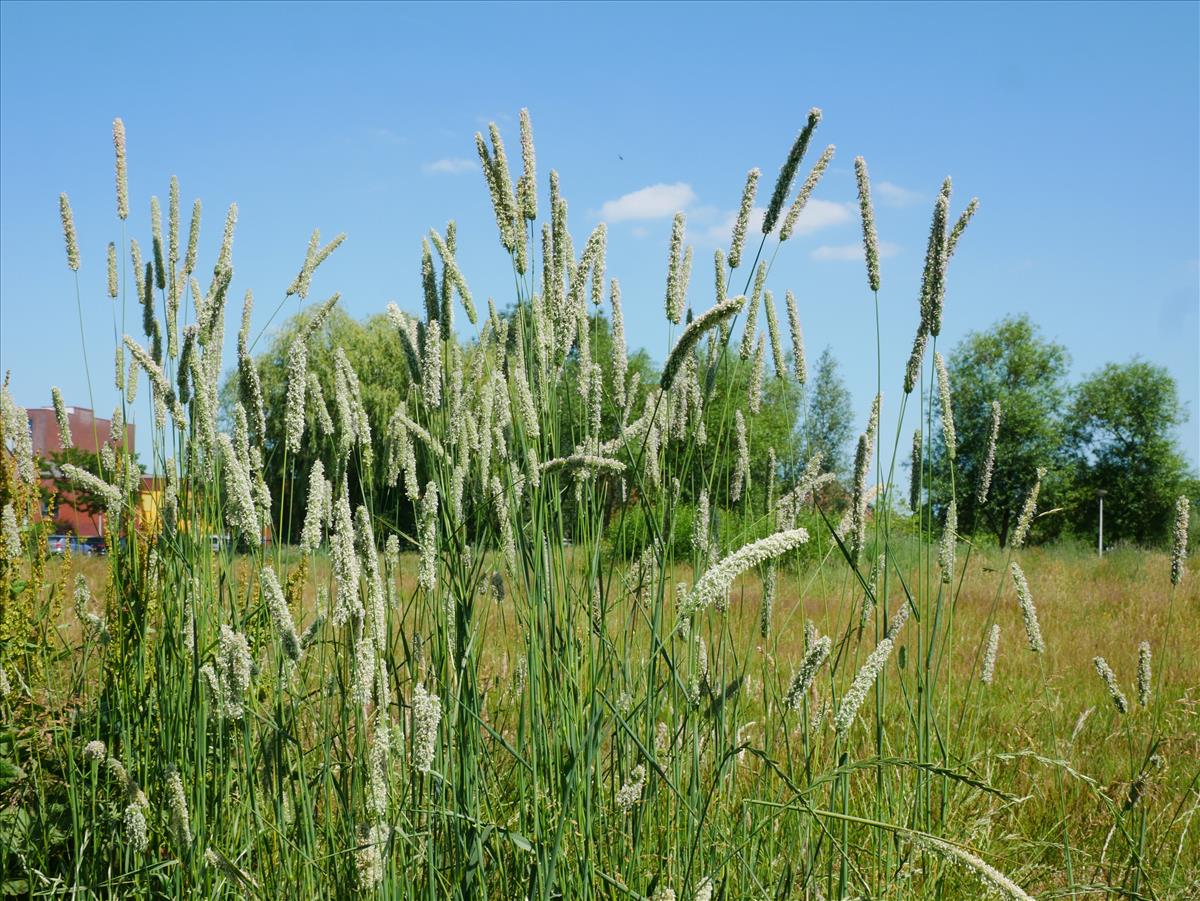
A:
[818,214]
[654,202]
[450,166]
[894,195]
[850,252]
[722,233]
[704,214]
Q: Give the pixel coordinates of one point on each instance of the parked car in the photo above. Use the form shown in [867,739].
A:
[59,544]
[96,545]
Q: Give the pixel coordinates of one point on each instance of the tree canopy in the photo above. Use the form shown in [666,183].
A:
[1027,373]
[373,347]
[1114,431]
[829,417]
[1119,438]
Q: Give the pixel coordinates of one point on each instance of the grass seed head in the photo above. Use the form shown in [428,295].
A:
[11,540]
[122,174]
[773,331]
[173,224]
[912,372]
[805,192]
[867,212]
[817,654]
[949,539]
[787,172]
[281,616]
[989,875]
[857,692]
[60,416]
[674,271]
[741,472]
[181,823]
[1033,631]
[1143,675]
[156,238]
[630,792]
[1028,509]
[933,278]
[427,567]
[113,286]
[426,715]
[859,499]
[946,409]
[914,488]
[988,673]
[297,390]
[899,618]
[960,226]
[225,256]
[137,836]
[798,359]
[189,259]
[68,226]
[1179,540]
[989,460]
[691,336]
[758,365]
[713,587]
[738,241]
[1110,682]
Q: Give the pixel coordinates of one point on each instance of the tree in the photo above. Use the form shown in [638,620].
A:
[374,350]
[829,423]
[1011,363]
[70,493]
[640,377]
[1119,433]
[639,373]
[773,427]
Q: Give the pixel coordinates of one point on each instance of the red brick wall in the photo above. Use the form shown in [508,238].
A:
[86,428]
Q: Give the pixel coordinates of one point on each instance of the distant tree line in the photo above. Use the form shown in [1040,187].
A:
[1114,431]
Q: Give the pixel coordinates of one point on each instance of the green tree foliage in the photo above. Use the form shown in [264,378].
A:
[72,493]
[1116,436]
[1014,364]
[640,377]
[775,426]
[1119,440]
[829,421]
[373,348]
[640,373]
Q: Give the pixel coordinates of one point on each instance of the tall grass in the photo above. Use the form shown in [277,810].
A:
[525,704]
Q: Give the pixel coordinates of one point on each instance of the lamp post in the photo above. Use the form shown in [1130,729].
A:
[1100,542]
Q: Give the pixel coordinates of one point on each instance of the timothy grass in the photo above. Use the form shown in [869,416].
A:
[510,701]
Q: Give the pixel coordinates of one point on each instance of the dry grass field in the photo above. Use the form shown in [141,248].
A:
[1045,732]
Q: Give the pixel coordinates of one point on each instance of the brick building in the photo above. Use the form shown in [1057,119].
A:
[89,433]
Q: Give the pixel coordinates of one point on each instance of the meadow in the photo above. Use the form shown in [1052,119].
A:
[533,642]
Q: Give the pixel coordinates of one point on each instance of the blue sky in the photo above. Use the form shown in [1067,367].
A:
[1076,126]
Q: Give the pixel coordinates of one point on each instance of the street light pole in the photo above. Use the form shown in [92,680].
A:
[1100,542]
